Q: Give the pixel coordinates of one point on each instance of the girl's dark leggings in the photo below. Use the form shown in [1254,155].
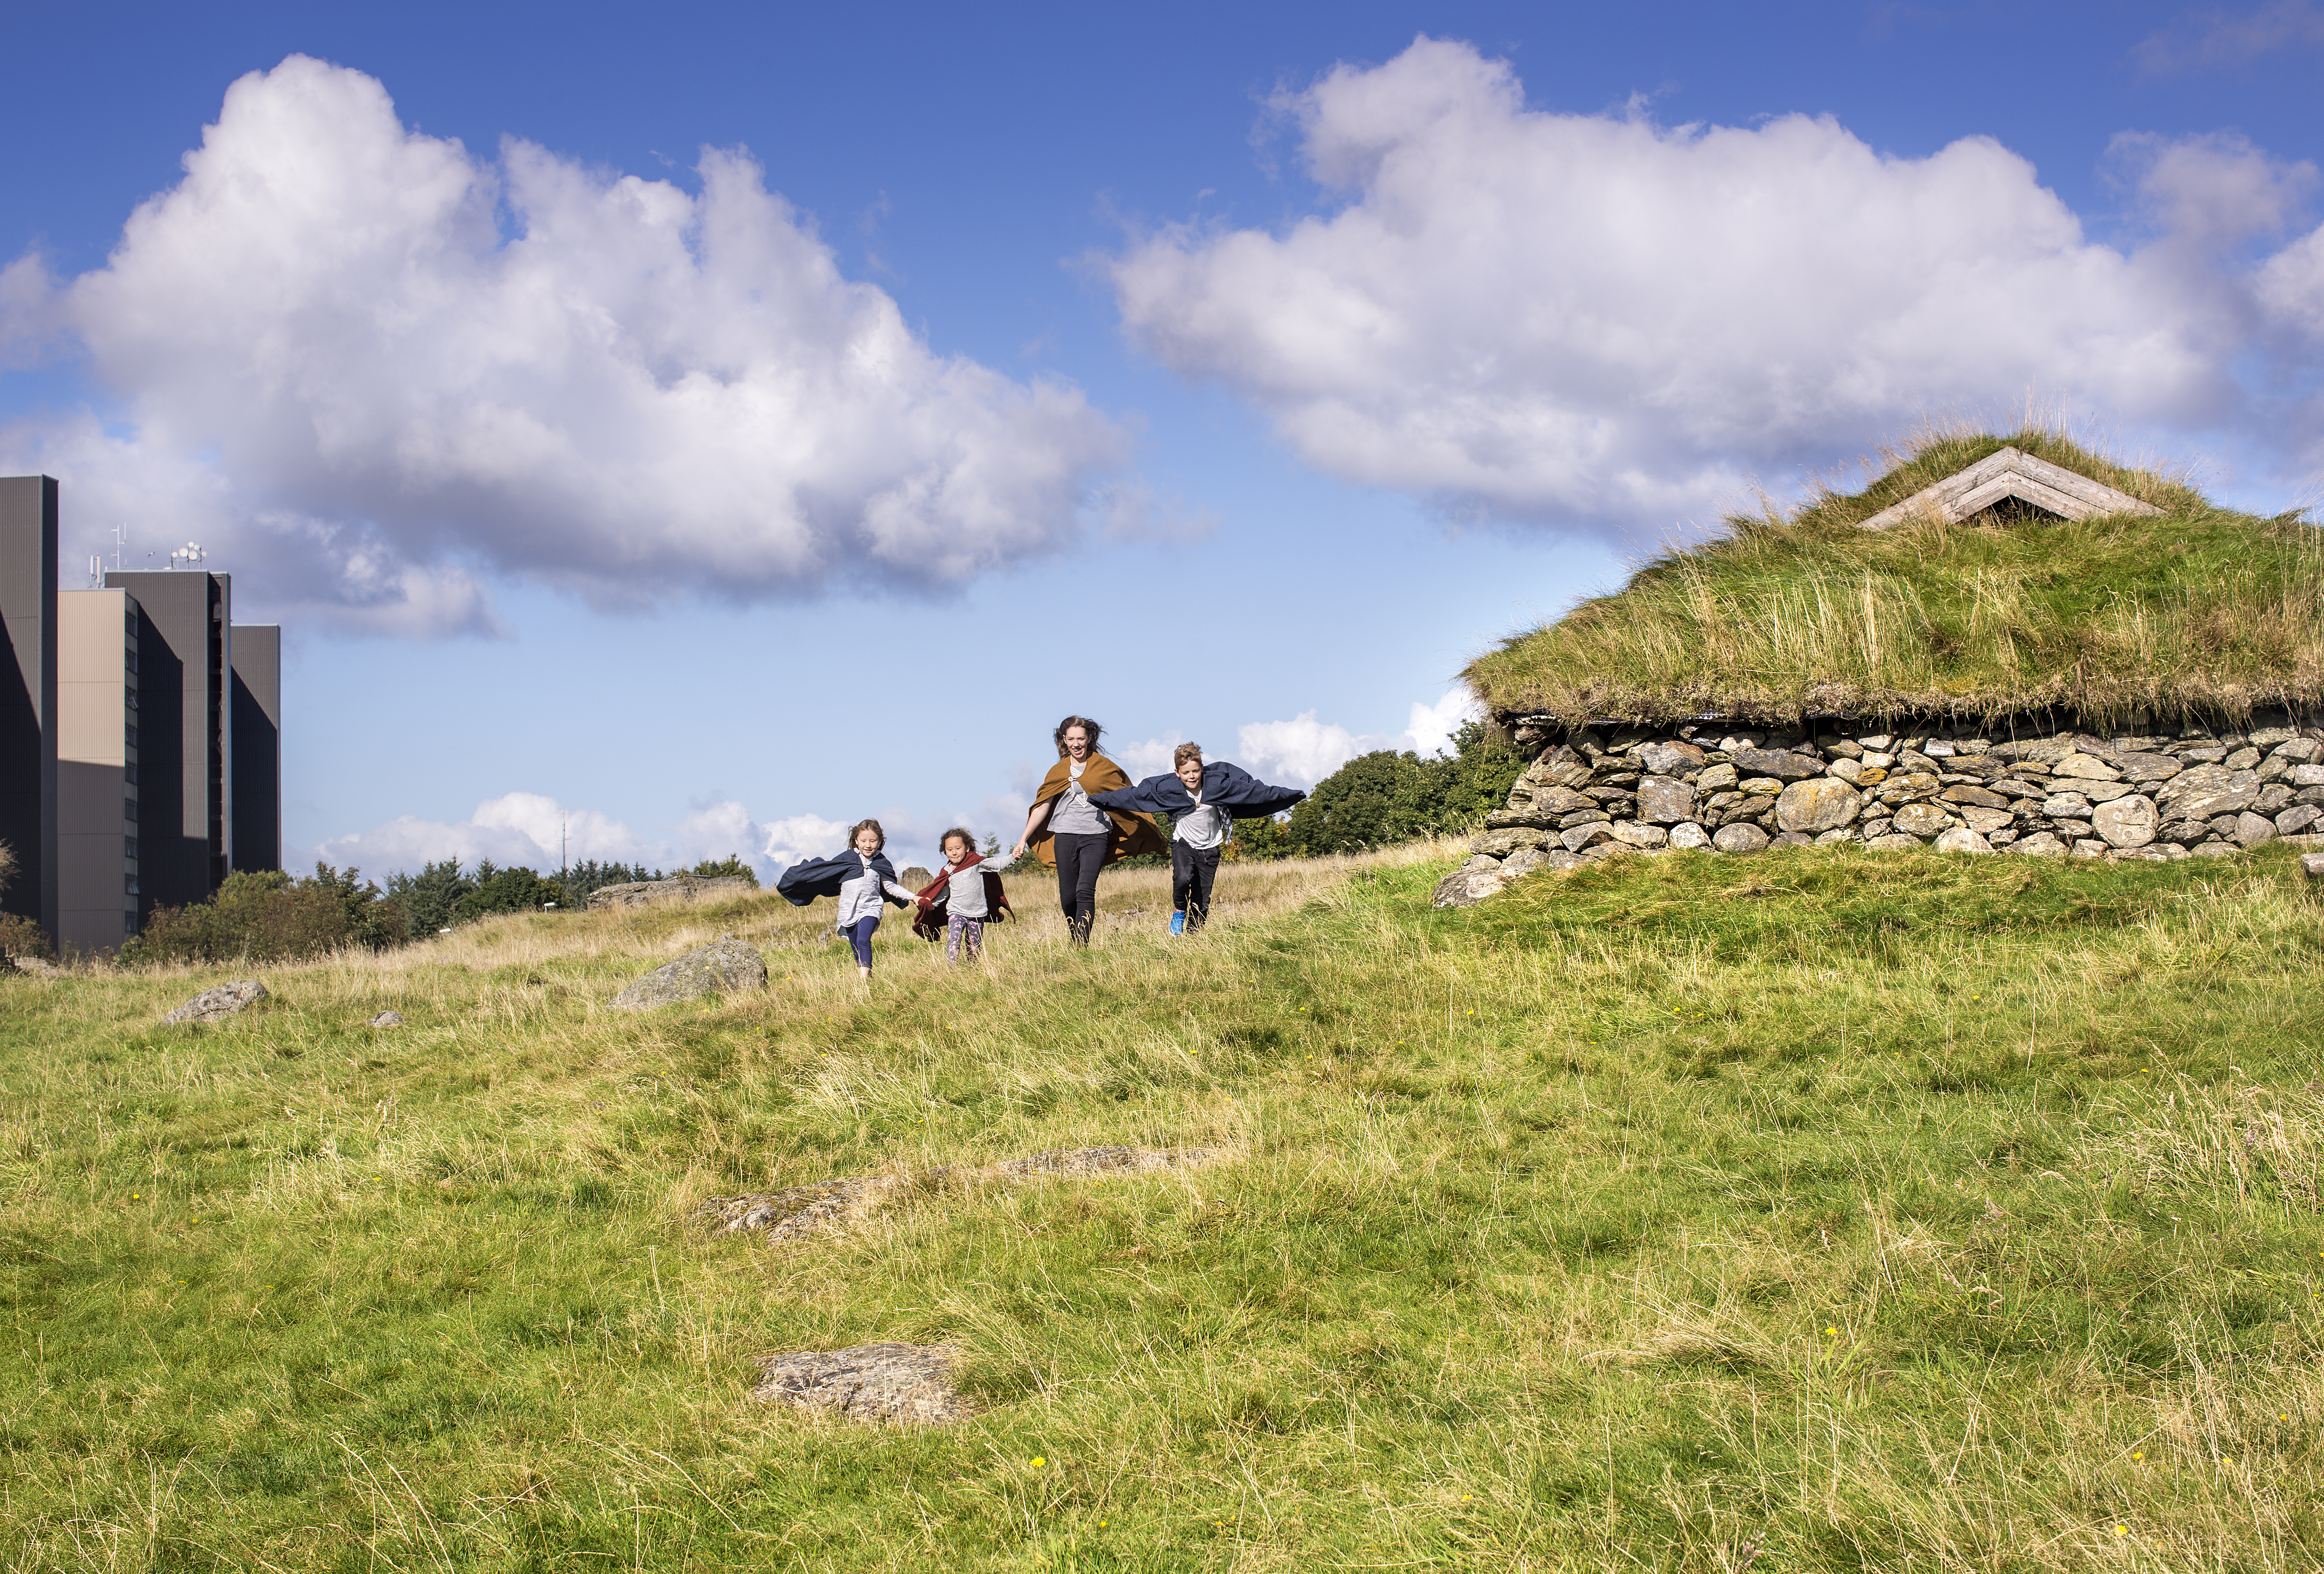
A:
[859,935]
[1079,858]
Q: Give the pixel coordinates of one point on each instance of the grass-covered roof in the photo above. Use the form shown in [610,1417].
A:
[2196,612]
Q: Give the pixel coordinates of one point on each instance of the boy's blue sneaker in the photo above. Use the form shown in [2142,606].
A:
[1178,923]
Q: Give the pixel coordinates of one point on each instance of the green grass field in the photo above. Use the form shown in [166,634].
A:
[1821,1211]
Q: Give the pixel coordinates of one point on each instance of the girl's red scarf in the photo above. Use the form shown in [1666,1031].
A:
[933,895]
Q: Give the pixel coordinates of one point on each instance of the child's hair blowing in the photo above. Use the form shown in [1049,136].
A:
[1089,728]
[861,826]
[967,842]
[1187,752]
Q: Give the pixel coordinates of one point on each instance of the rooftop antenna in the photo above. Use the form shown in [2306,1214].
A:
[120,542]
[96,569]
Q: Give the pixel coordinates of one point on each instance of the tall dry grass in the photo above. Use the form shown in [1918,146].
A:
[2197,613]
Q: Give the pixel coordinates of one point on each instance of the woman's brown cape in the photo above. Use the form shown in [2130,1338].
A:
[1132,833]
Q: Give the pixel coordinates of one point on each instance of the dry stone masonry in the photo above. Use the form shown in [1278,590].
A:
[1596,792]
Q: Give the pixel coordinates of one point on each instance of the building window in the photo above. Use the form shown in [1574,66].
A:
[129,659]
[129,883]
[130,735]
[129,923]
[129,772]
[129,847]
[129,809]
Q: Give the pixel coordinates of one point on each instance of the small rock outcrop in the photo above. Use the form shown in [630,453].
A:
[386,1019]
[685,888]
[1122,1160]
[797,1210]
[217,1005]
[726,965]
[898,1384]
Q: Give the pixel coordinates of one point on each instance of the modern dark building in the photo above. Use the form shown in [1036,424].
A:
[28,694]
[99,902]
[141,736]
[257,725]
[185,731]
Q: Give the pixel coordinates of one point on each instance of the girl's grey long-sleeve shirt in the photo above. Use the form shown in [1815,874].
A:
[860,898]
[964,891]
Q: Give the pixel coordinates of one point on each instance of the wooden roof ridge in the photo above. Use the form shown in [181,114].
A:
[2011,473]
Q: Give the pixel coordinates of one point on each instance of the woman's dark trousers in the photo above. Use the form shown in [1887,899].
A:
[1079,858]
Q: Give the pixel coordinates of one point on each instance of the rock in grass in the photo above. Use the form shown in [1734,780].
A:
[2250,830]
[2312,865]
[1689,835]
[217,1005]
[1893,842]
[2039,845]
[1466,887]
[726,965]
[1522,864]
[1961,839]
[386,1019]
[1742,837]
[798,1210]
[900,1384]
[2127,822]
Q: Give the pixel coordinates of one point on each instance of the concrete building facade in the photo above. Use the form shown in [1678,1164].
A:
[98,637]
[141,736]
[257,723]
[185,662]
[28,694]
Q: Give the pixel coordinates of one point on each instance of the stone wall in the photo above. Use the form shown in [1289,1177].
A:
[1600,790]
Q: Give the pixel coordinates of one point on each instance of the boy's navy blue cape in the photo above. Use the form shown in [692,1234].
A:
[803,882]
[1228,787]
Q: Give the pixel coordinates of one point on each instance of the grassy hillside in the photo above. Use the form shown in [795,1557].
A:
[2199,610]
[1817,1211]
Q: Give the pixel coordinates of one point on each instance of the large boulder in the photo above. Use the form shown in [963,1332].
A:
[1817,804]
[1689,835]
[685,888]
[1961,839]
[726,965]
[902,1385]
[218,1004]
[2127,822]
[1742,837]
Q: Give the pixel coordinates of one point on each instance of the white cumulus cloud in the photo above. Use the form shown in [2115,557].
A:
[1302,751]
[376,369]
[535,831]
[1596,320]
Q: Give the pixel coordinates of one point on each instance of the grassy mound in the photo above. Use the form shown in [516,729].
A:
[2198,612]
[1819,1211]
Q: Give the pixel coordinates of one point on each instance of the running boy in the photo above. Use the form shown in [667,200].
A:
[1203,801]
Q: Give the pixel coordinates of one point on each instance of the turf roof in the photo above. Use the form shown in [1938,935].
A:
[2195,613]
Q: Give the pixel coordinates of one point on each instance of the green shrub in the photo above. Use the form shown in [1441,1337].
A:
[267,916]
[1386,797]
[494,890]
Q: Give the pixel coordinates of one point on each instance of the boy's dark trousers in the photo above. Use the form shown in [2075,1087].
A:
[1192,871]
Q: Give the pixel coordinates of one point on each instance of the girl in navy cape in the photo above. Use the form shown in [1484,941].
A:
[860,878]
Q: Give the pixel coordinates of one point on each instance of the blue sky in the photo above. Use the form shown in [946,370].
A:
[1221,373]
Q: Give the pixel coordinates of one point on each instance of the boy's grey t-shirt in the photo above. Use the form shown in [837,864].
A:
[1074,814]
[1201,827]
